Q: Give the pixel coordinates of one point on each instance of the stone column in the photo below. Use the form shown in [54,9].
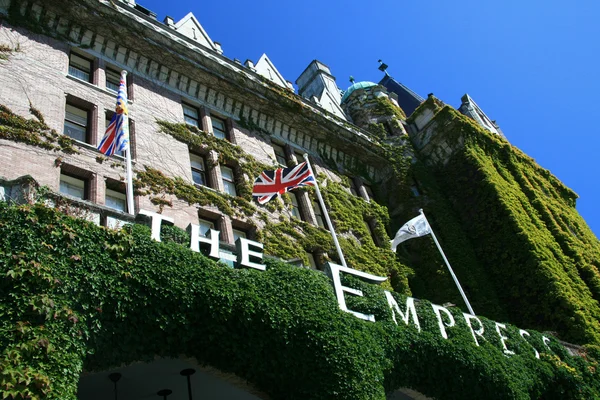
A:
[226,229]
[206,123]
[306,209]
[214,171]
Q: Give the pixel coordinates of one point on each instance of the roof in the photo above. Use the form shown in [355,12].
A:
[407,99]
[357,85]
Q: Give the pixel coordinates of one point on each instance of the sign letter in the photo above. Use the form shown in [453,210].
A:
[339,289]
[478,332]
[410,309]
[524,333]
[244,253]
[157,220]
[503,338]
[437,310]
[196,238]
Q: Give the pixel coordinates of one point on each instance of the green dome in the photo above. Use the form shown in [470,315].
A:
[357,85]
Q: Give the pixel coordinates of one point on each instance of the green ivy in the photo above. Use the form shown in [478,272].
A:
[525,231]
[75,296]
[35,133]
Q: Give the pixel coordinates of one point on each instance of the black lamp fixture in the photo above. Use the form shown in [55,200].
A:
[164,393]
[382,66]
[188,372]
[114,378]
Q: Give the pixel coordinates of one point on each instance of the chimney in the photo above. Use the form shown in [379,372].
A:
[169,22]
[218,47]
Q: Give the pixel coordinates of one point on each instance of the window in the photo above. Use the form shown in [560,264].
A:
[280,154]
[295,206]
[238,234]
[198,170]
[228,180]
[205,226]
[76,123]
[80,67]
[190,115]
[115,200]
[319,214]
[219,127]
[113,80]
[75,187]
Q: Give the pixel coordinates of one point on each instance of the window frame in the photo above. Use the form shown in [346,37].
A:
[115,194]
[74,180]
[282,158]
[75,123]
[107,81]
[224,131]
[319,216]
[203,172]
[187,116]
[231,181]
[73,66]
[295,207]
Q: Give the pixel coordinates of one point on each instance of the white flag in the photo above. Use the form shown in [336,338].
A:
[416,227]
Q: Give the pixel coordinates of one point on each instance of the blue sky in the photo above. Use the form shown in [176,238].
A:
[532,66]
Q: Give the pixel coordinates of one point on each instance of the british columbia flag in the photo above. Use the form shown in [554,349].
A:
[116,137]
[270,184]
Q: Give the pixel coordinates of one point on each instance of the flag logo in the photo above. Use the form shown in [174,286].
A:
[271,184]
[116,137]
[414,228]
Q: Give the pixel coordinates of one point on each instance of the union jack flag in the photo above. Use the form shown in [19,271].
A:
[116,137]
[270,184]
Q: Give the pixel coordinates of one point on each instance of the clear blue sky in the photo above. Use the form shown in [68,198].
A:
[531,65]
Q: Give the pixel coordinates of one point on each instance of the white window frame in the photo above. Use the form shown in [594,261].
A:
[189,117]
[71,184]
[220,133]
[195,158]
[79,71]
[75,122]
[228,181]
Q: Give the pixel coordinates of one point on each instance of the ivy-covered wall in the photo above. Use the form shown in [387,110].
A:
[522,225]
[74,295]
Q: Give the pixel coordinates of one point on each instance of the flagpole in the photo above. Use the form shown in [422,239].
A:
[462,293]
[129,188]
[326,214]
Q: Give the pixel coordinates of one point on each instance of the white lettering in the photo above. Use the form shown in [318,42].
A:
[524,333]
[410,310]
[244,253]
[437,310]
[339,289]
[475,333]
[503,338]
[546,341]
[157,220]
[196,238]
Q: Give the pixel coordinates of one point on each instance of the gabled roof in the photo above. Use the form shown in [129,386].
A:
[190,27]
[266,68]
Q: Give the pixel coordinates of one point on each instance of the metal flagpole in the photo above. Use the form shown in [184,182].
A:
[329,224]
[448,265]
[129,189]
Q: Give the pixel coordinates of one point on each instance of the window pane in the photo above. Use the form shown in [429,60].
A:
[238,234]
[198,177]
[113,80]
[319,215]
[227,173]
[79,67]
[197,162]
[72,186]
[295,207]
[311,261]
[190,115]
[76,115]
[280,154]
[75,131]
[205,227]
[219,129]
[229,188]
[116,200]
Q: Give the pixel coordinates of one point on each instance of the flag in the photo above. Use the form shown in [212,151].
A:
[416,227]
[116,137]
[270,184]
